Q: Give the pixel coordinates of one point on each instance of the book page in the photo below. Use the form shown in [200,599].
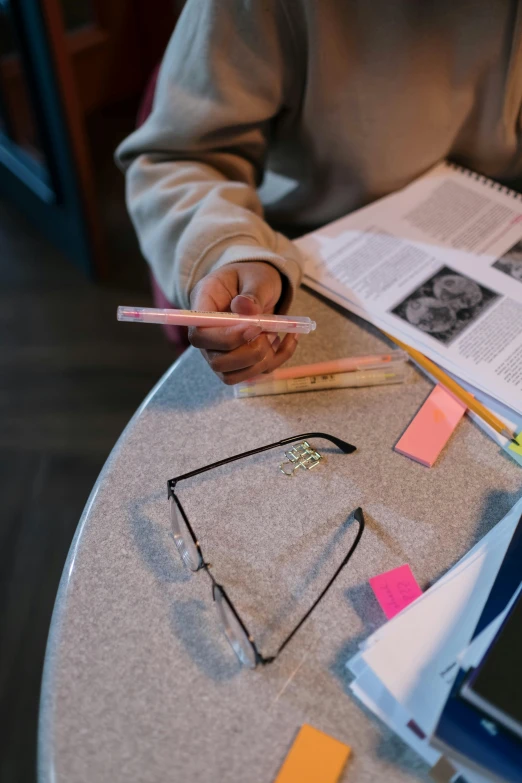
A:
[436,265]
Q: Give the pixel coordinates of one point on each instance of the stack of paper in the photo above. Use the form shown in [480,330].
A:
[405,671]
[439,266]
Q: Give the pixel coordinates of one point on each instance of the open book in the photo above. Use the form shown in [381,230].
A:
[439,266]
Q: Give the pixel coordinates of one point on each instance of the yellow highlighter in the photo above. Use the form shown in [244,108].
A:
[343,380]
[313,758]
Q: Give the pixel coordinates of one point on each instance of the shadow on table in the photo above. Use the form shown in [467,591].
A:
[391,748]
[155,542]
[195,625]
[190,386]
[318,572]
[388,746]
[496,506]
[191,621]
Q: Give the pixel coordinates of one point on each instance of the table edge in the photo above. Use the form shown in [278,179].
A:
[44,761]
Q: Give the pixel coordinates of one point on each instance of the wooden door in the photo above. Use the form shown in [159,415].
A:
[61,61]
[44,159]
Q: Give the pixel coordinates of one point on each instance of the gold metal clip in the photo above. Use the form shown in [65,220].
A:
[301,456]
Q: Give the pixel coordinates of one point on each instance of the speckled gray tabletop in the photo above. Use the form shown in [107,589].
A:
[140,683]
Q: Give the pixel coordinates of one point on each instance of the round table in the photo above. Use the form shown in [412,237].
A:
[139,681]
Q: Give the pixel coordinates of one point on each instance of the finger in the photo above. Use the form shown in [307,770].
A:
[226,338]
[212,294]
[244,355]
[284,351]
[245,289]
[245,304]
[267,365]
[222,338]
[259,288]
[241,358]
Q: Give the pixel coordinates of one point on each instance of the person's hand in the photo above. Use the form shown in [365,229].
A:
[238,352]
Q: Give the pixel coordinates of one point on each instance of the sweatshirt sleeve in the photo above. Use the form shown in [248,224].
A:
[192,169]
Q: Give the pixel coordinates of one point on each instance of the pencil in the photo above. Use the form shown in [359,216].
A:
[452,386]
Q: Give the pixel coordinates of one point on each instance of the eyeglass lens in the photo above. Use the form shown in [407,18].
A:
[234,632]
[186,546]
[190,555]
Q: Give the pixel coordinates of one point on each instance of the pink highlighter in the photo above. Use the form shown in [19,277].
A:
[350,364]
[266,321]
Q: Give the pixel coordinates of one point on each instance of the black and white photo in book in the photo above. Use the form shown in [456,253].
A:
[445,304]
[511,262]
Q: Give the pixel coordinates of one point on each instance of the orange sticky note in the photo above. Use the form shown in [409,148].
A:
[431,428]
[313,758]
[395,590]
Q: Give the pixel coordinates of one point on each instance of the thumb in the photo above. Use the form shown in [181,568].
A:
[246,304]
[259,288]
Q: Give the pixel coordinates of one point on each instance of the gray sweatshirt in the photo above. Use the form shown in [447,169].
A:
[347,99]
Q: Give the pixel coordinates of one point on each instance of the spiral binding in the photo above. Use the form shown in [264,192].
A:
[486,181]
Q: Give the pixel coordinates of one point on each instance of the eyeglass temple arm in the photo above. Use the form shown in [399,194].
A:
[345,447]
[359,516]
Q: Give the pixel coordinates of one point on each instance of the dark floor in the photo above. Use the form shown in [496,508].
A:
[71,376]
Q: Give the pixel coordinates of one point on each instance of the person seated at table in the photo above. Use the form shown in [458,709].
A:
[348,100]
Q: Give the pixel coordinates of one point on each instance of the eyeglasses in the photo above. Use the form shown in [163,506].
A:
[190,550]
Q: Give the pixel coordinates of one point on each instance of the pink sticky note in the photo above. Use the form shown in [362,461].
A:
[395,589]
[431,428]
